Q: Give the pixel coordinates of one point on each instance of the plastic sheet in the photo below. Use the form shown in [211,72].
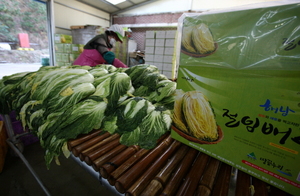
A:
[251,38]
[246,62]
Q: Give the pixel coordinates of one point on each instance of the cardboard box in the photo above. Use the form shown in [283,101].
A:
[158,58]
[167,73]
[67,48]
[59,47]
[72,57]
[149,62]
[249,75]
[149,57]
[159,50]
[159,42]
[149,50]
[150,34]
[150,42]
[59,63]
[159,66]
[58,57]
[170,43]
[167,66]
[68,64]
[81,48]
[65,58]
[168,59]
[160,34]
[62,38]
[75,49]
[171,34]
[169,51]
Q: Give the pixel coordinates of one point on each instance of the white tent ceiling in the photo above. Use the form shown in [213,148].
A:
[115,9]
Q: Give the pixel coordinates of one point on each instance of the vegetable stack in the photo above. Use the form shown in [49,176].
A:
[59,103]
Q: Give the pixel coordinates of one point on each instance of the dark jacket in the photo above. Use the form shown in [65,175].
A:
[100,43]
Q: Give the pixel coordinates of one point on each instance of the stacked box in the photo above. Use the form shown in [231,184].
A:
[59,47]
[62,38]
[171,34]
[159,50]
[66,52]
[158,57]
[169,53]
[159,42]
[150,42]
[83,34]
[149,50]
[149,47]
[150,34]
[67,48]
[160,34]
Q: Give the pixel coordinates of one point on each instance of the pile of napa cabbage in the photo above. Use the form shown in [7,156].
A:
[59,103]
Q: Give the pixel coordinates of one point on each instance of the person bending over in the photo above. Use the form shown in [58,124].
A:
[98,49]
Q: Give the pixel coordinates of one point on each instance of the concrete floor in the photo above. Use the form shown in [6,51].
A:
[12,68]
[67,179]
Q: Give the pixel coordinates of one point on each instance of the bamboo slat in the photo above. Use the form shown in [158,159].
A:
[153,189]
[176,179]
[159,182]
[130,162]
[150,173]
[171,168]
[81,139]
[127,179]
[124,167]
[108,167]
[99,151]
[277,192]
[208,178]
[190,183]
[260,187]
[97,163]
[97,145]
[243,184]
[222,181]
[79,148]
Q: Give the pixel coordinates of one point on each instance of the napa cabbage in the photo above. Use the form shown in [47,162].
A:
[128,115]
[59,103]
[156,123]
[78,119]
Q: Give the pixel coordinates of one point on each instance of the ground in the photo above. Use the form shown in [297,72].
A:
[22,56]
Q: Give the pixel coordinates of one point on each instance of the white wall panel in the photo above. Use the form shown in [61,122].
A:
[185,5]
[69,12]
